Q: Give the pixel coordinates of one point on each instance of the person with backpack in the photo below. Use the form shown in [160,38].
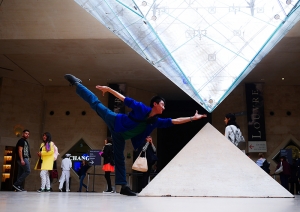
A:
[232,130]
[263,163]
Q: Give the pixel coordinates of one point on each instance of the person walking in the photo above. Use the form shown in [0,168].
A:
[23,156]
[137,125]
[45,162]
[232,129]
[66,165]
[82,173]
[108,162]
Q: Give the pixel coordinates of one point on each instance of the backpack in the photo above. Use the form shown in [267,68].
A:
[238,137]
[266,166]
[55,151]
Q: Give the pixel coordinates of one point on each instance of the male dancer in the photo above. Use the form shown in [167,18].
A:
[137,125]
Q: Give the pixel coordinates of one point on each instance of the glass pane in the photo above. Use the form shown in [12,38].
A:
[205,47]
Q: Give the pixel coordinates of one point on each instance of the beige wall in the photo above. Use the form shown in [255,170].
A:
[21,104]
[29,105]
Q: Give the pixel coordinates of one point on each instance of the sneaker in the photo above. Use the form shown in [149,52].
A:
[127,191]
[60,189]
[67,190]
[72,79]
[47,190]
[18,188]
[40,190]
[108,191]
[23,190]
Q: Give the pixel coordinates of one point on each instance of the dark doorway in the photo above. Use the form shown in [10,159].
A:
[171,140]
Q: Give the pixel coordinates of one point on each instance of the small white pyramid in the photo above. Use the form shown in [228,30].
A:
[211,166]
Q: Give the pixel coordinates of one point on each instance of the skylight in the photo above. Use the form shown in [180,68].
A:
[205,47]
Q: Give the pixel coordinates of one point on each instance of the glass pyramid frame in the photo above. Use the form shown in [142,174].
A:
[205,47]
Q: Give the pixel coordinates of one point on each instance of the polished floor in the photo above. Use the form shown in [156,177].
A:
[92,201]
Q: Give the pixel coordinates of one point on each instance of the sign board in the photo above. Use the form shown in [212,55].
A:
[288,155]
[95,157]
[257,146]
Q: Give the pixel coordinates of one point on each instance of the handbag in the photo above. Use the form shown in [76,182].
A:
[140,164]
[279,170]
[39,164]
[54,174]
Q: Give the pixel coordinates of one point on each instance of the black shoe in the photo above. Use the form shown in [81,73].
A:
[72,79]
[127,191]
[18,188]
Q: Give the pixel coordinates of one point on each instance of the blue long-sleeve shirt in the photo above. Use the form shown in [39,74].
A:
[135,122]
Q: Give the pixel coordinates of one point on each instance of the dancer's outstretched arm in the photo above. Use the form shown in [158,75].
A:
[105,89]
[183,120]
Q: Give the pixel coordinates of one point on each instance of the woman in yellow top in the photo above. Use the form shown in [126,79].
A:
[46,154]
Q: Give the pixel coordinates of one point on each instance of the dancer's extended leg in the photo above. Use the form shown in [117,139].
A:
[106,114]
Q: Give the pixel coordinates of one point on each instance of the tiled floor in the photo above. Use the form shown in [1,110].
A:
[73,201]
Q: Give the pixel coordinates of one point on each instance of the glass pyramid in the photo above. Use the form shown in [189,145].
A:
[205,47]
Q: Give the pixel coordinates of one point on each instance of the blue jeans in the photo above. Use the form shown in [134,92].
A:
[81,182]
[23,171]
[109,118]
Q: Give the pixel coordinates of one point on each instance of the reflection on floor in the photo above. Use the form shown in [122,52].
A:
[92,201]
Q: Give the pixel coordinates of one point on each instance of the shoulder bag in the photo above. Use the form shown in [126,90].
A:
[279,170]
[140,164]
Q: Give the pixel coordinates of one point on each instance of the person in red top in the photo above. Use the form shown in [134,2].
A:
[286,173]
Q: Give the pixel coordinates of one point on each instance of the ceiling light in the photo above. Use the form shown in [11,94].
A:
[282,78]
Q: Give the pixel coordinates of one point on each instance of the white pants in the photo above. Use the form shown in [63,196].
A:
[45,184]
[65,176]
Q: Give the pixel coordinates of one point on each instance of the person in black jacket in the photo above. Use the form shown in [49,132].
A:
[82,173]
[108,163]
[150,150]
